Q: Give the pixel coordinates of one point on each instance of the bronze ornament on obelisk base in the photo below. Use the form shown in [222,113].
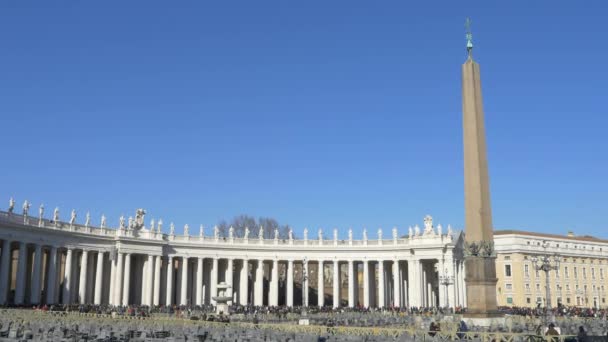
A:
[480,266]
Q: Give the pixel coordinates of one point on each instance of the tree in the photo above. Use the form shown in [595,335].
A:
[239,223]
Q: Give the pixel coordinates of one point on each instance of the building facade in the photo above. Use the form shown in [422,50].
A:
[50,261]
[581,279]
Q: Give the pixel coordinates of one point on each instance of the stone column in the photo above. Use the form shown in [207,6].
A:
[258,296]
[451,300]
[150,280]
[67,277]
[35,288]
[351,284]
[21,273]
[184,282]
[336,284]
[82,283]
[320,285]
[413,296]
[366,290]
[118,281]
[230,278]
[98,278]
[199,281]
[214,277]
[4,266]
[127,281]
[273,298]
[381,302]
[442,288]
[396,283]
[158,263]
[52,276]
[244,286]
[112,279]
[169,300]
[289,280]
[305,299]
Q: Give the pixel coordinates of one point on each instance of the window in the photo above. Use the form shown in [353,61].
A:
[527,287]
[568,287]
[537,274]
[528,300]
[507,270]
[509,300]
[537,287]
[527,271]
[593,273]
[557,273]
[601,273]
[507,257]
[568,300]
[509,287]
[566,273]
[575,273]
[584,273]
[539,300]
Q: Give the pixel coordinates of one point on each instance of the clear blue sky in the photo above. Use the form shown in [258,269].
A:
[317,113]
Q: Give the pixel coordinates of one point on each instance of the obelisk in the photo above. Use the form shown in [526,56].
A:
[480,275]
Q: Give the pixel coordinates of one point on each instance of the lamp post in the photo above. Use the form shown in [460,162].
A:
[446,280]
[546,263]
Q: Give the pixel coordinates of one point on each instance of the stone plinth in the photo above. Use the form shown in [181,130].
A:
[481,282]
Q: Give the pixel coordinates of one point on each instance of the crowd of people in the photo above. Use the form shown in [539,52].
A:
[560,311]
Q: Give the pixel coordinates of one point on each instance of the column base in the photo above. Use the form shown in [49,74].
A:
[481,282]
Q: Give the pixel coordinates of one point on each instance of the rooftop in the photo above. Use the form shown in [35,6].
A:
[569,236]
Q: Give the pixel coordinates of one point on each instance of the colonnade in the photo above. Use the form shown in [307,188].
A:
[33,274]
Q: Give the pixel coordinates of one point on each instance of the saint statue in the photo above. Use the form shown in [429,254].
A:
[305,233]
[41,211]
[186,230]
[171,229]
[261,233]
[231,232]
[335,234]
[103,221]
[428,225]
[410,232]
[320,234]
[87,221]
[56,214]
[216,233]
[201,231]
[417,230]
[276,234]
[73,217]
[290,234]
[439,229]
[159,227]
[130,225]
[26,207]
[350,234]
[379,233]
[449,230]
[121,222]
[11,205]
[152,225]
[364,234]
[395,233]
[246,236]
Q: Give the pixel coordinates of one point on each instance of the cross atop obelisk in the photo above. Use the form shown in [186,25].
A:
[480,258]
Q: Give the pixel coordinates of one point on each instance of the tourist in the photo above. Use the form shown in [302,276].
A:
[582,334]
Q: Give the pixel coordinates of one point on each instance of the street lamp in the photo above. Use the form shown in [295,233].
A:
[546,263]
[446,280]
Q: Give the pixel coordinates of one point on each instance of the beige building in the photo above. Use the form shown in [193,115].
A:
[581,280]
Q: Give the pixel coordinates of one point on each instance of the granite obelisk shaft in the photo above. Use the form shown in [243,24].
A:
[480,264]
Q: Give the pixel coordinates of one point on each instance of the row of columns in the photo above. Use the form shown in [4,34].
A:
[102,277]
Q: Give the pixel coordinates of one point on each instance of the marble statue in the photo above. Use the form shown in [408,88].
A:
[26,208]
[450,230]
[305,233]
[121,222]
[320,234]
[159,227]
[11,205]
[152,225]
[276,234]
[379,233]
[395,233]
[103,221]
[410,232]
[73,217]
[261,233]
[335,234]
[56,214]
[201,231]
[138,223]
[428,225]
[364,234]
[246,235]
[350,234]
[216,233]
[439,229]
[186,230]
[130,224]
[231,232]
[290,233]
[41,212]
[171,229]
[417,230]
[87,220]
